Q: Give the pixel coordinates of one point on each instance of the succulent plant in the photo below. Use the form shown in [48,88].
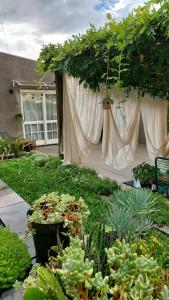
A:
[54,208]
[129,276]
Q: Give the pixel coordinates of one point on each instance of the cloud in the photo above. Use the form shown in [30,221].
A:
[122,8]
[27,24]
[105,4]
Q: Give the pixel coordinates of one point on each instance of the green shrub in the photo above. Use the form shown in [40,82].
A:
[31,182]
[35,155]
[145,173]
[14,258]
[87,179]
[52,162]
[158,243]
[161,215]
[5,147]
[16,146]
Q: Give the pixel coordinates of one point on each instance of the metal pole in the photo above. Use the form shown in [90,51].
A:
[59,106]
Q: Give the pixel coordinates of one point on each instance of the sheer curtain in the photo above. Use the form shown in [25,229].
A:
[83,120]
[154,114]
[121,128]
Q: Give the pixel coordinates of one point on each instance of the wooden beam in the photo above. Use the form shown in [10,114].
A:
[59,105]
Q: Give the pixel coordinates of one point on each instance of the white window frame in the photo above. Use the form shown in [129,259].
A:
[46,141]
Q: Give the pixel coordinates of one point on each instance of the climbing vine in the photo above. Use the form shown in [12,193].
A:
[131,53]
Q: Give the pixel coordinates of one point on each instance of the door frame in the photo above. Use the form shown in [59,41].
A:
[46,141]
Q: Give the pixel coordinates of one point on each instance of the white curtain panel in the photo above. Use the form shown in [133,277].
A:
[121,128]
[83,120]
[88,107]
[113,148]
[154,114]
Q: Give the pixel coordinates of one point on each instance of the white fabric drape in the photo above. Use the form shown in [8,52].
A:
[154,114]
[121,128]
[88,107]
[84,119]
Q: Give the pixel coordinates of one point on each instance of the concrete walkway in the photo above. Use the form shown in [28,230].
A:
[13,213]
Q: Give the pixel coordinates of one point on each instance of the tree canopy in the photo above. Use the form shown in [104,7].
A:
[131,53]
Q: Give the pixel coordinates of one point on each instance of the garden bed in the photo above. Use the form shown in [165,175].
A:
[113,214]
[31,179]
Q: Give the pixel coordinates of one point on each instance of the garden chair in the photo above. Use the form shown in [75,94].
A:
[162,174]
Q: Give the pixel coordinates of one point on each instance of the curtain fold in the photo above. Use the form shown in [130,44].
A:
[154,114]
[121,128]
[82,123]
[84,119]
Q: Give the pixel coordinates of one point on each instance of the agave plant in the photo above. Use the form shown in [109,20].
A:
[130,213]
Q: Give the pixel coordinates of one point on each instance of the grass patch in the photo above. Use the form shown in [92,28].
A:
[161,216]
[158,243]
[30,181]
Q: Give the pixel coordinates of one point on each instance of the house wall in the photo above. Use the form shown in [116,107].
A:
[14,68]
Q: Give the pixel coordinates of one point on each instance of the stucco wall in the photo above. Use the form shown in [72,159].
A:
[14,68]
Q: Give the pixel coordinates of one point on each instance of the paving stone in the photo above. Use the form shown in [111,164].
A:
[3,185]
[164,229]
[9,197]
[12,294]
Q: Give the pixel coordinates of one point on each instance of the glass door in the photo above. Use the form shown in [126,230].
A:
[51,124]
[39,111]
[33,117]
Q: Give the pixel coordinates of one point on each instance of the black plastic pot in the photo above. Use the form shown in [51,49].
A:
[46,236]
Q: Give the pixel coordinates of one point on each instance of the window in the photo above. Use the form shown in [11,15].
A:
[39,111]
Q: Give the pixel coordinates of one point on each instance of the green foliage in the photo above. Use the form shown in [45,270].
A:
[130,53]
[161,215]
[19,117]
[129,276]
[44,279]
[16,146]
[5,148]
[155,244]
[145,173]
[53,163]
[31,182]
[14,258]
[130,213]
[10,147]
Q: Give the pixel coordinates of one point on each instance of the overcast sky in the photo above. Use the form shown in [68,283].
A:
[27,24]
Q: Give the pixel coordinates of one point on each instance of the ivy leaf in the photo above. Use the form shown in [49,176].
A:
[109,16]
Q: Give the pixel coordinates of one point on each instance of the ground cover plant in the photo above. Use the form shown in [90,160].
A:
[15,260]
[138,209]
[31,181]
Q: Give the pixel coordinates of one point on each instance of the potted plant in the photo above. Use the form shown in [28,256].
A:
[52,219]
[145,173]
